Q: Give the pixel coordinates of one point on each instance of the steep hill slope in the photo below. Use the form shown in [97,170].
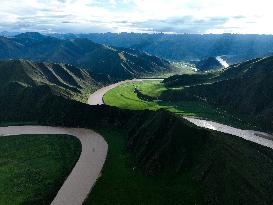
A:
[103,61]
[224,167]
[62,79]
[244,88]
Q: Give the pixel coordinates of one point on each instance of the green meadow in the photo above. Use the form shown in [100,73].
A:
[33,168]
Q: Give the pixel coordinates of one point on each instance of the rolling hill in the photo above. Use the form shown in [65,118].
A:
[62,79]
[105,62]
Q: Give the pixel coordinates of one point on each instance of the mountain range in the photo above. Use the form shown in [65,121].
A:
[187,47]
[105,62]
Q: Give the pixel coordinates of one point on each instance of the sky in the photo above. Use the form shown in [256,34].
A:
[145,16]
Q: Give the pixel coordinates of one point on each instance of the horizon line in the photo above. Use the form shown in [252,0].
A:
[14,33]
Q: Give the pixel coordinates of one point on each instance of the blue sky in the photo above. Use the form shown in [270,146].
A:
[168,16]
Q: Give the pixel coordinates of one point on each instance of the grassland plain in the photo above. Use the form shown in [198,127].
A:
[124,97]
[34,167]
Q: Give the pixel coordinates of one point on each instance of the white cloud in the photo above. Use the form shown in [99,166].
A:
[196,16]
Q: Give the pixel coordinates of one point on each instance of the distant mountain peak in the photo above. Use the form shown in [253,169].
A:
[32,35]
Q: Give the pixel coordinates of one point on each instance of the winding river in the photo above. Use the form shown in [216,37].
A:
[261,138]
[86,171]
[94,148]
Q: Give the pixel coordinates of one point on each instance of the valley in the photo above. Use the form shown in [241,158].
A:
[123,96]
[146,130]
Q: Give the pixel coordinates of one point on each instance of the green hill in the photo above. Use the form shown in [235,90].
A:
[244,88]
[103,61]
[226,169]
[189,79]
[65,80]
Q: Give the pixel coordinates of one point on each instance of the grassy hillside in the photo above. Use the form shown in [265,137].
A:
[212,160]
[243,88]
[225,170]
[33,168]
[105,62]
[123,183]
[62,79]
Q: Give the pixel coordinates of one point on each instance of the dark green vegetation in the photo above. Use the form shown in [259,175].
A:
[62,79]
[243,88]
[106,63]
[236,48]
[33,168]
[177,81]
[122,182]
